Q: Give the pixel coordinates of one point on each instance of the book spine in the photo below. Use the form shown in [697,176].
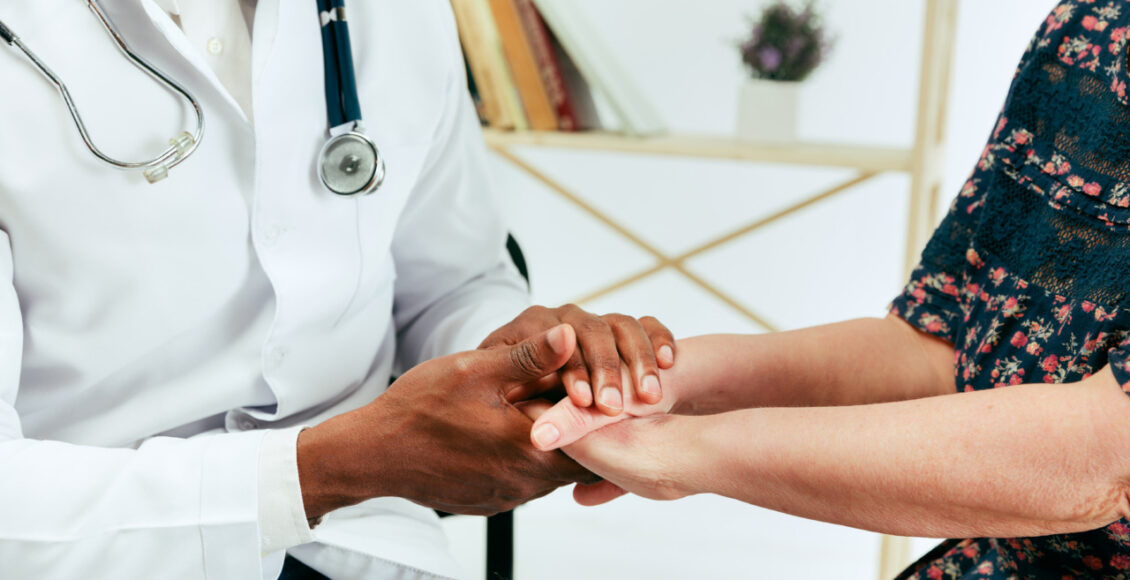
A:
[523,66]
[469,21]
[510,102]
[600,67]
[550,70]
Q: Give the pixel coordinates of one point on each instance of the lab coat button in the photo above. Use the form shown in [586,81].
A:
[271,235]
[215,46]
[276,356]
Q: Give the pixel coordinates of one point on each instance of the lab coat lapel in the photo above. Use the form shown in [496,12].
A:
[177,40]
[264,32]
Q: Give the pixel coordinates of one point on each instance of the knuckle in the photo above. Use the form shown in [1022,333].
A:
[617,319]
[575,364]
[608,364]
[462,365]
[523,357]
[593,325]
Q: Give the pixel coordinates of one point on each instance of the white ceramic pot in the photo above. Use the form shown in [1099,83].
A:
[768,111]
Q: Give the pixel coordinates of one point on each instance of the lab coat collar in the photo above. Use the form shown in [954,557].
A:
[156,12]
[266,24]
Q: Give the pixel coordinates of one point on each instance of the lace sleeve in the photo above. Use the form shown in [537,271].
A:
[930,301]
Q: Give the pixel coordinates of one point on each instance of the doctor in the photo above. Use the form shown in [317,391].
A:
[162,346]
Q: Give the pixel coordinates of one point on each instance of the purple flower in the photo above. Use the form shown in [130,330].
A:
[785,43]
[770,59]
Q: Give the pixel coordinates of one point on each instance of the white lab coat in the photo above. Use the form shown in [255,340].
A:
[147,333]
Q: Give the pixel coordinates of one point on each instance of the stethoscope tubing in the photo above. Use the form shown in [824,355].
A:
[343,108]
[342,103]
[171,157]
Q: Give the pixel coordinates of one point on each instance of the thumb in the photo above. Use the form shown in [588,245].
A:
[537,356]
[565,422]
[587,495]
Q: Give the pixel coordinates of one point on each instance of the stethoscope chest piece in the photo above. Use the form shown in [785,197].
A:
[351,164]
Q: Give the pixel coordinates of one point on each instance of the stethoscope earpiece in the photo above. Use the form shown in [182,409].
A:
[180,147]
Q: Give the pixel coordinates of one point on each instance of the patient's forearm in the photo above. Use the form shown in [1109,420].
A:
[849,363]
[1018,461]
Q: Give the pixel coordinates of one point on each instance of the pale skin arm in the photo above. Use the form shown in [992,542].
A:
[849,363]
[1017,461]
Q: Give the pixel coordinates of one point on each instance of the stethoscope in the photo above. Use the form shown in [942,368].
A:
[348,164]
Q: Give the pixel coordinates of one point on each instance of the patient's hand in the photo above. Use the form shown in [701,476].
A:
[644,455]
[565,422]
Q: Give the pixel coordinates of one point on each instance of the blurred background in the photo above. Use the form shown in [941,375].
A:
[839,259]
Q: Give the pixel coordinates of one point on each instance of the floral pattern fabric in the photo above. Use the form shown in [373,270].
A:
[1028,276]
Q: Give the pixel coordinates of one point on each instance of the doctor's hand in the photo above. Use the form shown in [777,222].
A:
[604,342]
[445,435]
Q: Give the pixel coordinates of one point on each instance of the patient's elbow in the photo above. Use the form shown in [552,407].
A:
[1121,507]
[1108,504]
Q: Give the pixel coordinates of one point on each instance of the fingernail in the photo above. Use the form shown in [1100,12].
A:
[585,390]
[650,386]
[610,397]
[545,435]
[556,338]
[666,355]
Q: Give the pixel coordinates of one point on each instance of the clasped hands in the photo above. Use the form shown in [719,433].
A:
[454,433]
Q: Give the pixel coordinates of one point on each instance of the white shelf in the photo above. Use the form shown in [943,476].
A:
[865,159]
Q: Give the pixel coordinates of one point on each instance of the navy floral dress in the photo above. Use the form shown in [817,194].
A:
[1029,274]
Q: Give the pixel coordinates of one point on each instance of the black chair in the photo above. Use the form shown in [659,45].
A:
[500,527]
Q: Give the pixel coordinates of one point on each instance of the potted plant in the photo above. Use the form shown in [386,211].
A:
[784,46]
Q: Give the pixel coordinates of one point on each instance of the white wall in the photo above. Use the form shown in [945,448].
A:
[838,260]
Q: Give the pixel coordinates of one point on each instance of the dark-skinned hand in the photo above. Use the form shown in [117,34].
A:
[603,344]
[444,435]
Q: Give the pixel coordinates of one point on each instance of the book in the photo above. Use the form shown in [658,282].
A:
[475,53]
[578,90]
[483,48]
[541,45]
[523,65]
[599,66]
